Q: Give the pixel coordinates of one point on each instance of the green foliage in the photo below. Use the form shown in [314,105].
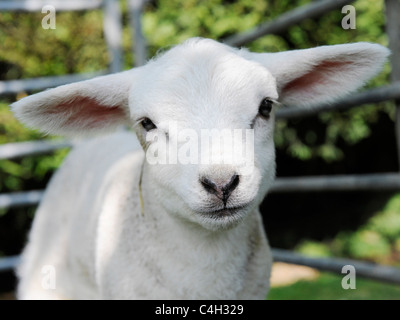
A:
[11,130]
[387,222]
[368,244]
[170,22]
[76,45]
[314,249]
[377,240]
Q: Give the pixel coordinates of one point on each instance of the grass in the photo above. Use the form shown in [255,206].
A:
[328,287]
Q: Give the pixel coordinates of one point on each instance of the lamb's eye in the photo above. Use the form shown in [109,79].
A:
[265,107]
[147,124]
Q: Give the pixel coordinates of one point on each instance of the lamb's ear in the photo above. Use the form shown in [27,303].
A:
[317,75]
[83,107]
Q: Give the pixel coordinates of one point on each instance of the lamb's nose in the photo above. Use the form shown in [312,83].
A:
[221,190]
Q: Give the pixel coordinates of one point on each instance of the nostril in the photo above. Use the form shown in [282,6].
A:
[209,185]
[230,186]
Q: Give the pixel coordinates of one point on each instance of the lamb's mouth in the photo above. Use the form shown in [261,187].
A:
[223,218]
[224,212]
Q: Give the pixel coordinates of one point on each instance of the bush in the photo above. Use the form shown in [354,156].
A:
[377,240]
[368,245]
[387,222]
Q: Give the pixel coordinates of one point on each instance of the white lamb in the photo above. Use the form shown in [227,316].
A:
[114,226]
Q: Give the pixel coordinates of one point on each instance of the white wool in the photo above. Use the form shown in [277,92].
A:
[89,226]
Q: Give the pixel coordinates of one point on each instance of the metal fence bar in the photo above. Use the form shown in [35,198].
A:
[113,34]
[366,182]
[384,93]
[20,199]
[139,41]
[286,20]
[393,32]
[59,5]
[23,149]
[363,269]
[15,86]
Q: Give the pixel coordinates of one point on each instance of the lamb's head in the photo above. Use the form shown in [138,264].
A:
[204,113]
[200,111]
